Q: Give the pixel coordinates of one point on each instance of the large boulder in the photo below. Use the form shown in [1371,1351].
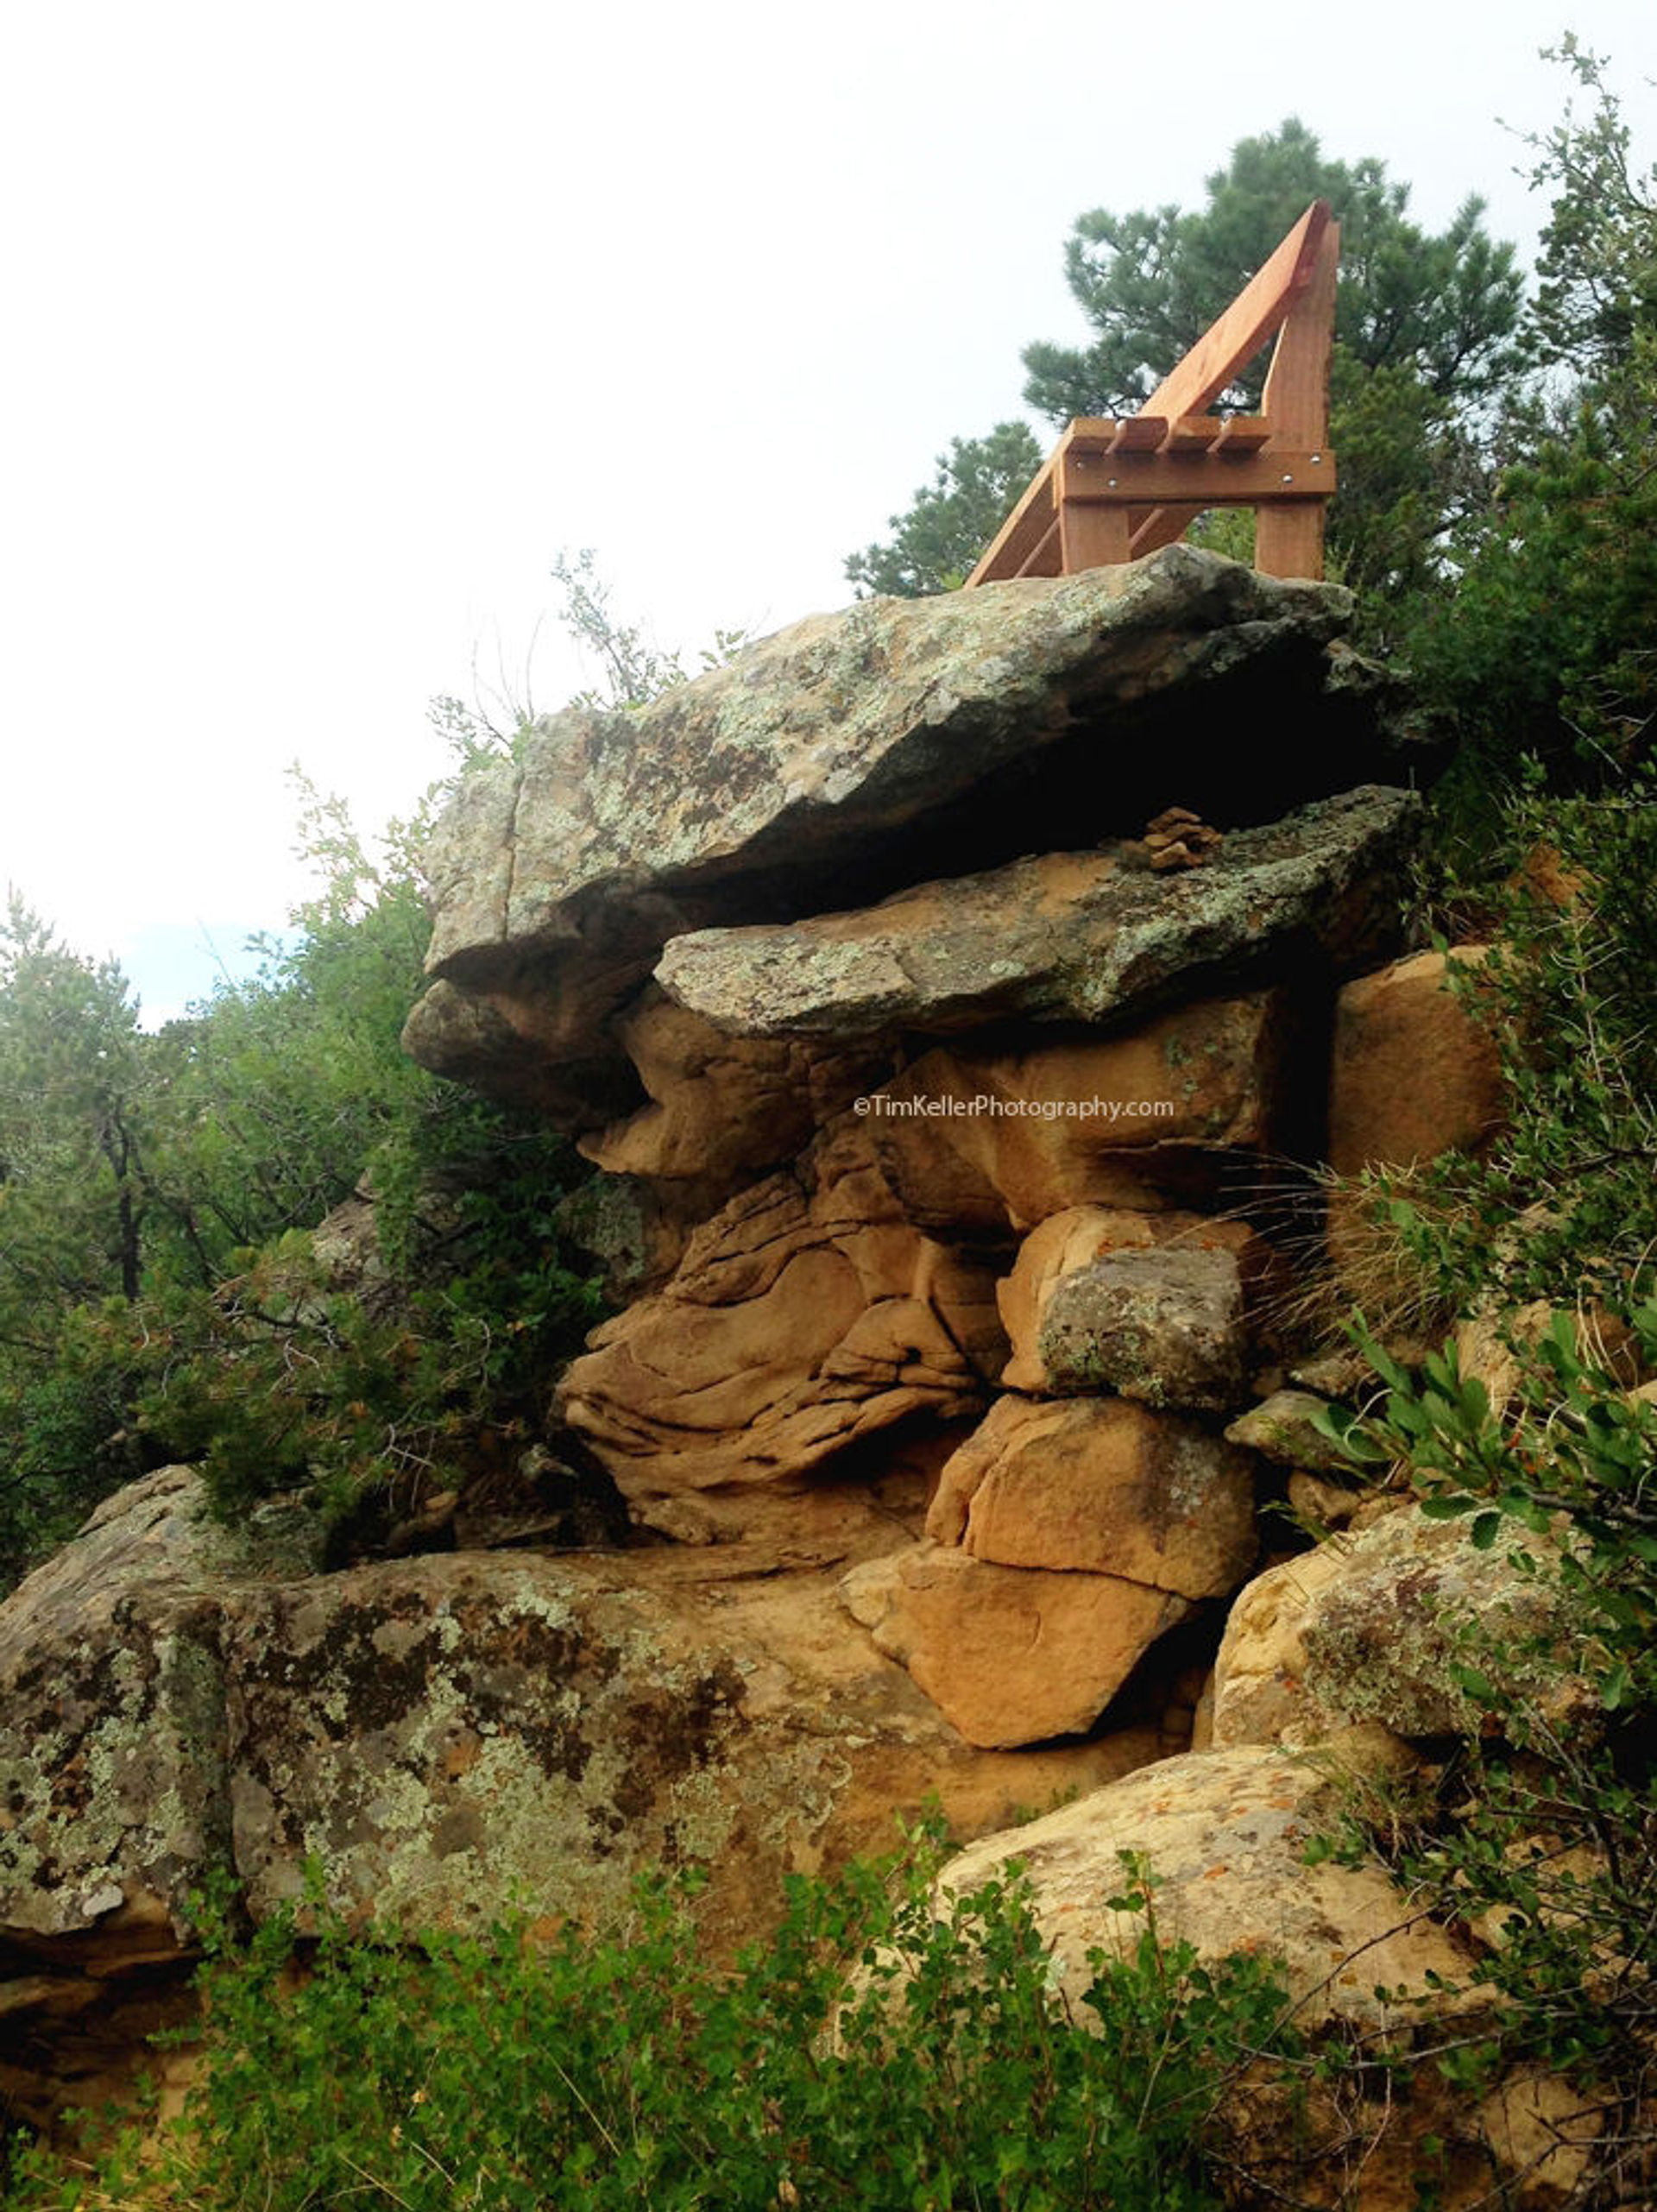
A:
[1009,1655]
[807,1315]
[1225,1836]
[112,1774]
[447,1739]
[1383,1625]
[1225,1833]
[845,757]
[1064,936]
[1104,1485]
[1412,1072]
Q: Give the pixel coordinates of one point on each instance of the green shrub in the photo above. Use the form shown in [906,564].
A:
[1562,1203]
[880,2053]
[1540,1833]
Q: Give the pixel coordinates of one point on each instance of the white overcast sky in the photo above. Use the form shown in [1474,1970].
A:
[329,325]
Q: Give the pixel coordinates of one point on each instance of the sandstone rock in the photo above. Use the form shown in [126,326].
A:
[974,1142]
[1164,1327]
[447,1736]
[1283,1430]
[634,1230]
[1226,1830]
[1260,1692]
[514,1046]
[851,754]
[1382,1639]
[1008,1655]
[806,1315]
[1065,937]
[1371,1626]
[722,1107]
[112,1754]
[1081,1234]
[1103,1485]
[1412,1073]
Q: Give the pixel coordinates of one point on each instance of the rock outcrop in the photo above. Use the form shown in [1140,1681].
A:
[944,992]
[1065,937]
[913,931]
[847,757]
[440,1734]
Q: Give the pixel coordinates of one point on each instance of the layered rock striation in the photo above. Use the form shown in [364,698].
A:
[948,980]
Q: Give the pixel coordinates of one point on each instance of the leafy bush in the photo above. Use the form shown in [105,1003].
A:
[1563,1203]
[878,2052]
[1540,1833]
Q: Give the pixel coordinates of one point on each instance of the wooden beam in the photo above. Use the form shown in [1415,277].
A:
[1024,529]
[1204,479]
[1244,434]
[1092,536]
[1162,527]
[1289,540]
[1192,433]
[1255,312]
[1046,556]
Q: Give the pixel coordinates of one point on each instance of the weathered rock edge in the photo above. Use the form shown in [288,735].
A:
[847,756]
[1063,936]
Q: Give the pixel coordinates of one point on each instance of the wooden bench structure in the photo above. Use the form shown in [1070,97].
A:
[1112,491]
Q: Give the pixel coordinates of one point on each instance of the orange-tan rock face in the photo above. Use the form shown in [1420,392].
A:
[807,1315]
[1412,1072]
[720,1107]
[982,1141]
[1103,1485]
[1009,1655]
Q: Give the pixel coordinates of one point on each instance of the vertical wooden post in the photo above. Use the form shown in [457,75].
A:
[1092,536]
[1289,533]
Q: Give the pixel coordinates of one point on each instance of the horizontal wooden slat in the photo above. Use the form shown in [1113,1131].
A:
[1243,434]
[1209,479]
[1090,434]
[1192,433]
[1140,434]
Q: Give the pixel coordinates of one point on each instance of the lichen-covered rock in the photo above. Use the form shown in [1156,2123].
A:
[806,1315]
[1081,1234]
[1415,1600]
[449,1738]
[976,1141]
[1062,937]
[1284,1429]
[1009,1655]
[1376,1625]
[847,756]
[1103,1485]
[112,1784]
[1226,1833]
[1165,1326]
